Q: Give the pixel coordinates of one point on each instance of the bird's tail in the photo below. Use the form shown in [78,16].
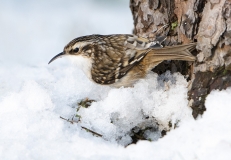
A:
[177,52]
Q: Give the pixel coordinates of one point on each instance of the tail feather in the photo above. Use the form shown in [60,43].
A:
[189,47]
[177,52]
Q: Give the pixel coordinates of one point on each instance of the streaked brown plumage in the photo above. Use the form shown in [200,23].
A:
[121,60]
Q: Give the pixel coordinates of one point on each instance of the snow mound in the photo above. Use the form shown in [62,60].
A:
[153,100]
[31,127]
[208,137]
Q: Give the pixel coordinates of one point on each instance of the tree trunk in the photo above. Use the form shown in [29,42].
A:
[207,22]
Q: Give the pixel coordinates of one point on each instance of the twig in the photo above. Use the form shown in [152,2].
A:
[97,134]
[71,121]
[88,130]
[163,27]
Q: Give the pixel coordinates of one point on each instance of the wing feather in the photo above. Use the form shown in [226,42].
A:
[128,51]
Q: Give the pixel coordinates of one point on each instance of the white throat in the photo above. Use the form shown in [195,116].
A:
[83,63]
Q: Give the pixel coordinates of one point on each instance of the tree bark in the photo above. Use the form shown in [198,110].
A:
[207,22]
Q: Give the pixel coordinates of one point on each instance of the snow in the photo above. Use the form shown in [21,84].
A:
[126,108]
[33,94]
[206,138]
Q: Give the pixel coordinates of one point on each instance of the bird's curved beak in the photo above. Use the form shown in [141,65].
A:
[57,56]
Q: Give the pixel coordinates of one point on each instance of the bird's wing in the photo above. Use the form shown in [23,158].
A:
[140,43]
[118,54]
[128,51]
[123,70]
[137,43]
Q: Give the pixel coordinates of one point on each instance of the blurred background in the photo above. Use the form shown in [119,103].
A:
[32,31]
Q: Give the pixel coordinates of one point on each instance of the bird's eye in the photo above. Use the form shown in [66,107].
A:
[76,50]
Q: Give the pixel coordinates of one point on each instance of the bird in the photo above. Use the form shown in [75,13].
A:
[121,59]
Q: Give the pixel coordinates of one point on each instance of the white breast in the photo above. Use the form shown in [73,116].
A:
[83,63]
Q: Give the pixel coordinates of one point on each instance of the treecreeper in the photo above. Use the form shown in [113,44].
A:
[121,59]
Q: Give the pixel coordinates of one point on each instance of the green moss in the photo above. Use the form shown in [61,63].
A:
[225,72]
[174,25]
[78,116]
[85,103]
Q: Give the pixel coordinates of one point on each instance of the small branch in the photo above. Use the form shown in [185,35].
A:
[97,134]
[88,130]
[71,121]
